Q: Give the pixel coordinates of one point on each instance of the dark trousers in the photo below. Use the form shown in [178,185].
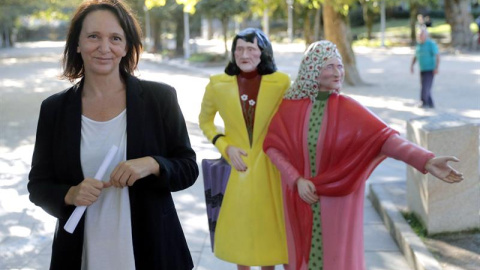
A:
[426,80]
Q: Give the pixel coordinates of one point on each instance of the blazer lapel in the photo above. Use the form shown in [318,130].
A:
[135,118]
[72,125]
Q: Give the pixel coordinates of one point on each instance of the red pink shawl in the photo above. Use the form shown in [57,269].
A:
[350,151]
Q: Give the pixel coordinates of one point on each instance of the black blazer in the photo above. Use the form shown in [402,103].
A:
[155,127]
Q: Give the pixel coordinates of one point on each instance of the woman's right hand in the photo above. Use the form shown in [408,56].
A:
[307,191]
[235,155]
[85,193]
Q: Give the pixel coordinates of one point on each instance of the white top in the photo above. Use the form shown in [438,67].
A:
[108,231]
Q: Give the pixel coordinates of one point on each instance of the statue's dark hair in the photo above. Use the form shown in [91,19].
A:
[267,63]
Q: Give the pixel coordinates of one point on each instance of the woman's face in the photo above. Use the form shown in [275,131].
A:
[247,55]
[331,76]
[101,43]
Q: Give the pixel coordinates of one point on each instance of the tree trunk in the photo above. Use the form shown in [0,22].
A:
[368,15]
[3,43]
[179,30]
[337,31]
[266,22]
[459,18]
[157,34]
[225,31]
[6,37]
[307,28]
[367,18]
[318,23]
[413,22]
[369,24]
[209,28]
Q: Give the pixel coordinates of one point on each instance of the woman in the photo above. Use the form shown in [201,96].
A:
[250,227]
[131,221]
[325,146]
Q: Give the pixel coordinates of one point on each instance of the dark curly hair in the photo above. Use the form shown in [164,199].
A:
[72,61]
[267,63]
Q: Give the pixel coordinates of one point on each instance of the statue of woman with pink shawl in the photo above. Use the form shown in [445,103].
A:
[326,145]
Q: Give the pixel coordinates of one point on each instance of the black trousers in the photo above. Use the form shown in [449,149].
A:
[426,80]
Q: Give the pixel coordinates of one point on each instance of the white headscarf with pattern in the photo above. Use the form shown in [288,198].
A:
[306,84]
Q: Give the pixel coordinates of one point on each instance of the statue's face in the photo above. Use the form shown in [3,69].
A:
[247,55]
[331,75]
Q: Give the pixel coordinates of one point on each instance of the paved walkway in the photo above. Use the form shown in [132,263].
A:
[392,93]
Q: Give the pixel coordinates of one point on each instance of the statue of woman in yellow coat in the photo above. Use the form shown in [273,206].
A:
[250,229]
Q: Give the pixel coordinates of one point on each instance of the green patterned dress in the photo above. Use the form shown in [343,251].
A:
[315,122]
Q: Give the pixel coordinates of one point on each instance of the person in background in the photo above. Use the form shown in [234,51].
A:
[420,20]
[326,145]
[131,221]
[428,21]
[427,55]
[250,229]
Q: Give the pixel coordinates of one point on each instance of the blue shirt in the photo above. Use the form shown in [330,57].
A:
[426,55]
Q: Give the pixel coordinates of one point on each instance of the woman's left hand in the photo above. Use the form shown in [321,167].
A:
[438,167]
[128,172]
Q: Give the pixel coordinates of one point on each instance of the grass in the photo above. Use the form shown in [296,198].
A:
[420,230]
[206,58]
[393,26]
[445,246]
[416,224]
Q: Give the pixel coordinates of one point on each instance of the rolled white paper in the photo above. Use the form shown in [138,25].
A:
[77,214]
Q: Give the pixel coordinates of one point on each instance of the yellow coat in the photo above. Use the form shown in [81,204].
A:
[250,228]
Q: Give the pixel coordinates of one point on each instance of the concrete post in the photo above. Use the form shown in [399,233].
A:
[444,207]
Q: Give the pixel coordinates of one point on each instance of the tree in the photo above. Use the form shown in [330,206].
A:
[188,7]
[222,10]
[415,6]
[12,10]
[160,14]
[311,12]
[179,29]
[457,14]
[370,10]
[9,13]
[265,8]
[337,30]
[167,11]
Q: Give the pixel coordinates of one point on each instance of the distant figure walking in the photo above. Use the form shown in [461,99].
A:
[426,52]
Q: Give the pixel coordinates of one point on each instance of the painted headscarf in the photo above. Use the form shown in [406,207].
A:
[306,85]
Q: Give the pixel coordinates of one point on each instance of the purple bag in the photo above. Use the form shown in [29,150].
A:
[215,178]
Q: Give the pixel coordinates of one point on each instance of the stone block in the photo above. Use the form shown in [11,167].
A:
[444,207]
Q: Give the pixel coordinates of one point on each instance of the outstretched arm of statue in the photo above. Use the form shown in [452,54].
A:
[423,160]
